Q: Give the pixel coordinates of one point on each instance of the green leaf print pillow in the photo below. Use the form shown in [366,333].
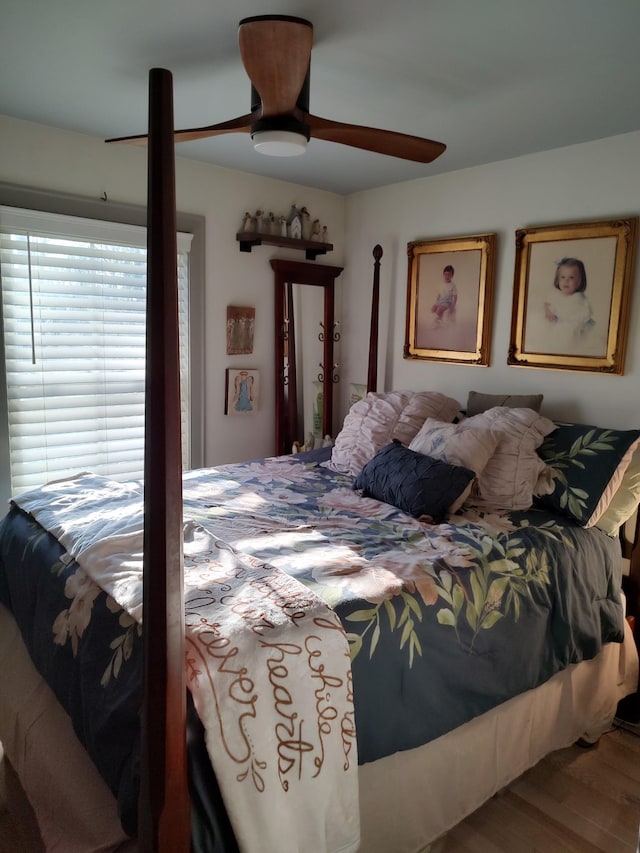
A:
[585,466]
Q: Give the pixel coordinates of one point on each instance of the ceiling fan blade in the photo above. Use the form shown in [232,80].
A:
[242,124]
[374,139]
[276,51]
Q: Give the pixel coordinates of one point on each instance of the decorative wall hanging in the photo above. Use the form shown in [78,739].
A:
[241,391]
[449,299]
[240,327]
[572,295]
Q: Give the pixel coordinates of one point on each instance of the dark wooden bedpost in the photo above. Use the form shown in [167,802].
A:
[372,375]
[164,812]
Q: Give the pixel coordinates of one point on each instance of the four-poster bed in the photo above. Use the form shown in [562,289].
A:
[408,598]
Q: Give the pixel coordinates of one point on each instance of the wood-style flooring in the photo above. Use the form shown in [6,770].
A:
[574,801]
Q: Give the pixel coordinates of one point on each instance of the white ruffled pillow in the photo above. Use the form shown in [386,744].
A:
[468,443]
[509,480]
[378,418]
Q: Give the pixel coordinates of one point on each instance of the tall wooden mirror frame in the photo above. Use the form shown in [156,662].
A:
[286,274]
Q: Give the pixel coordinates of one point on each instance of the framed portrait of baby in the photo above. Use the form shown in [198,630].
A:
[450,299]
[572,295]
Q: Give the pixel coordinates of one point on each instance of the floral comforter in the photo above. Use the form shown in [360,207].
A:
[443,622]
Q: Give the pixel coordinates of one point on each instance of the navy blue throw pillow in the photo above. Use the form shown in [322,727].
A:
[417,484]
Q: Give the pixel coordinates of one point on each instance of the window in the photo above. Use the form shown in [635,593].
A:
[74,305]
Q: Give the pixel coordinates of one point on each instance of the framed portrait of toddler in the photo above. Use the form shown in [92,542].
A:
[572,295]
[450,298]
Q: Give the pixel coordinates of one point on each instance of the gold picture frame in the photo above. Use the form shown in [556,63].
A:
[446,323]
[560,320]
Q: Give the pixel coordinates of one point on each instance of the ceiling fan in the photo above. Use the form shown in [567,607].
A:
[276,54]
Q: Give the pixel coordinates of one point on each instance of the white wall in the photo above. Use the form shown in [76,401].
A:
[592,181]
[49,159]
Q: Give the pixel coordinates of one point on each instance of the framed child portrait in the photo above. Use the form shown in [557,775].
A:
[241,391]
[450,298]
[572,295]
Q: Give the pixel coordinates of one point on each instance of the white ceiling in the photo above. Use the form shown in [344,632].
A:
[492,79]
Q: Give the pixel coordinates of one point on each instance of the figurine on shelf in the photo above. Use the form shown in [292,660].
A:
[258,220]
[294,221]
[306,223]
[272,227]
[282,221]
[315,230]
[247,222]
[325,234]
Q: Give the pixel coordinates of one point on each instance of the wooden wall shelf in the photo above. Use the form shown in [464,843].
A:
[311,248]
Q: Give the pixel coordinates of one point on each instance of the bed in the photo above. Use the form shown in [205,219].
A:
[377,636]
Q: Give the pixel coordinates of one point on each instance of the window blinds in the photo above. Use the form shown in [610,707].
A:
[74,306]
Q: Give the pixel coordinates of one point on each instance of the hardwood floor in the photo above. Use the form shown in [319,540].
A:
[574,801]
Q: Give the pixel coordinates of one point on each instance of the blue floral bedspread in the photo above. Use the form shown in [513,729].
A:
[444,621]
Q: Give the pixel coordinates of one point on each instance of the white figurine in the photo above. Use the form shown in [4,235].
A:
[272,227]
[306,223]
[294,221]
[325,234]
[315,230]
[282,220]
[258,218]
[247,222]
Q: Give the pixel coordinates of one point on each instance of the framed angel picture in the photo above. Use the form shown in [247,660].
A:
[242,389]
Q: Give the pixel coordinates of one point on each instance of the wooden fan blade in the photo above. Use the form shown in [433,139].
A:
[242,124]
[374,139]
[276,51]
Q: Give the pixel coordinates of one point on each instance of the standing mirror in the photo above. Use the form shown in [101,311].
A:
[304,335]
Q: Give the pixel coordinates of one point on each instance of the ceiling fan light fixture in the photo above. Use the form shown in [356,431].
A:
[279,143]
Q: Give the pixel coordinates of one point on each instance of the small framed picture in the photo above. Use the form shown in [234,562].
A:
[241,391]
[240,326]
[449,299]
[572,295]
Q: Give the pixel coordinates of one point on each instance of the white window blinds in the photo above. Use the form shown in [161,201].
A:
[74,306]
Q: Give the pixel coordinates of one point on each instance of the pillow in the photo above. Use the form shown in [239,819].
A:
[625,501]
[380,417]
[586,464]
[478,402]
[511,475]
[467,443]
[416,484]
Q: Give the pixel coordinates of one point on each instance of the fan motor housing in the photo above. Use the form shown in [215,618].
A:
[288,123]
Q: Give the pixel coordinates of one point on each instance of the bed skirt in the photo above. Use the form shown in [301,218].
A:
[406,800]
